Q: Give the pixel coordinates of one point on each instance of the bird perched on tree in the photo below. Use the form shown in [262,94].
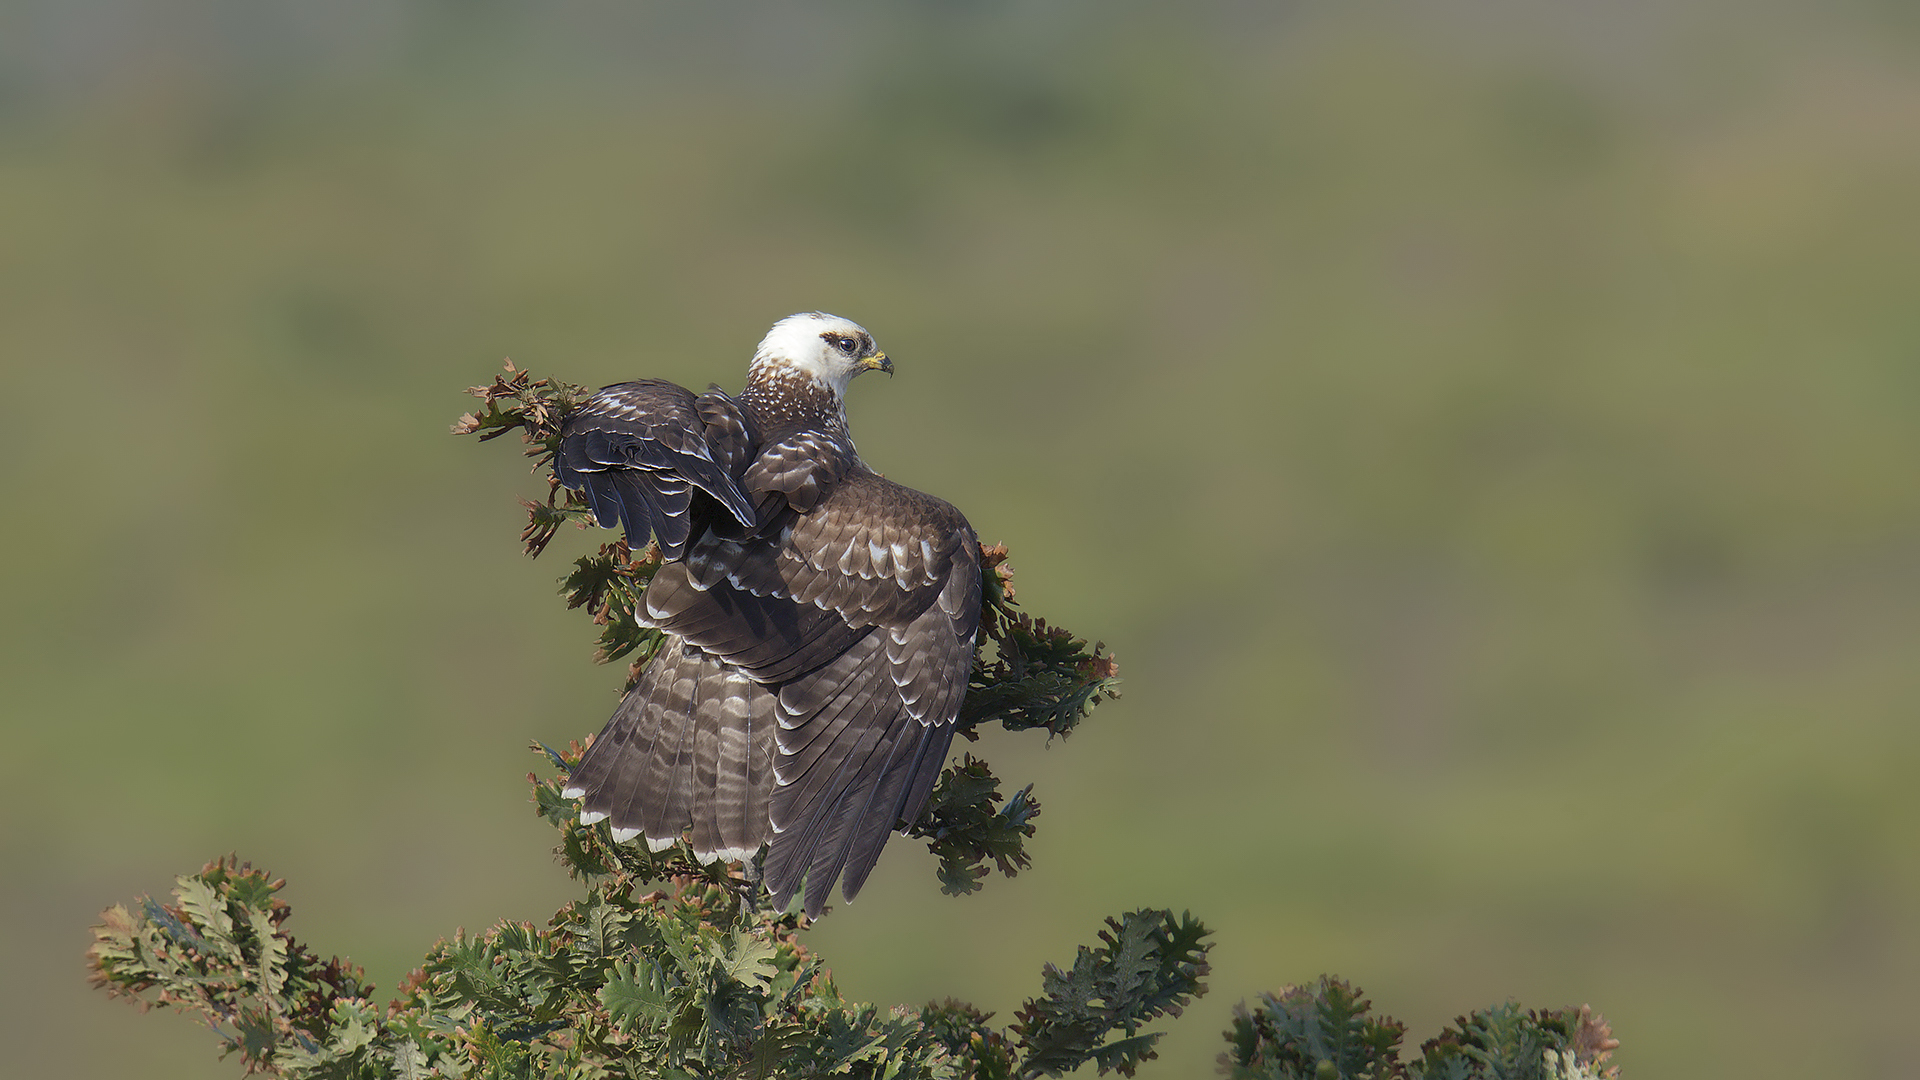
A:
[819,618]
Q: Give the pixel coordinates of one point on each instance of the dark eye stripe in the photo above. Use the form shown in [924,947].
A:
[851,345]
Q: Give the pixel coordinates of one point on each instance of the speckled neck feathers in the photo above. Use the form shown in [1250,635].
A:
[782,398]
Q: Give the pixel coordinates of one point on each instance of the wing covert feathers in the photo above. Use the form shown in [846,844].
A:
[821,624]
[638,451]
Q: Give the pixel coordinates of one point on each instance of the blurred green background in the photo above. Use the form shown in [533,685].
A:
[1487,432]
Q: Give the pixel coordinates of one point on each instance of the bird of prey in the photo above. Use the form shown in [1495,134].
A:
[820,619]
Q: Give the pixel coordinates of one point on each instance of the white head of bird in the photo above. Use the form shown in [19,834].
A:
[824,347]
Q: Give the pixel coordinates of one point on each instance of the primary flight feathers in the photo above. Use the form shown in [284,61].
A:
[820,618]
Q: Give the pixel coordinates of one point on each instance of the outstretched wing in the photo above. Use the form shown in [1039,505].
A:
[863,612]
[639,449]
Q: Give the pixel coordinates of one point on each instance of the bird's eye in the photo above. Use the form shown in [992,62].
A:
[845,345]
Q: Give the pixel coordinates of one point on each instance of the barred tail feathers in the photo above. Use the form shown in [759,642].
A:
[691,744]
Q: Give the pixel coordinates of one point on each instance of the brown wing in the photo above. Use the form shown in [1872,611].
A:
[639,449]
[863,739]
[803,466]
[863,613]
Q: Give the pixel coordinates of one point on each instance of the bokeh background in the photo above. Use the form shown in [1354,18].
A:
[1487,432]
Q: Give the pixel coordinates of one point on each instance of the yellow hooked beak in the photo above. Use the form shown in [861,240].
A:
[877,362]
